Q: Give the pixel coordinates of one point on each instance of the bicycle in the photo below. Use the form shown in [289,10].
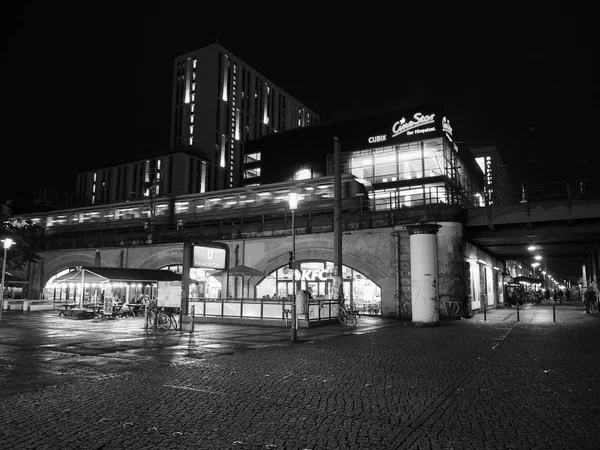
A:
[346,316]
[593,306]
[161,318]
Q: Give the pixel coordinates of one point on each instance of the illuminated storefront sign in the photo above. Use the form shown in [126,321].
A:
[446,127]
[414,126]
[209,257]
[313,274]
[375,139]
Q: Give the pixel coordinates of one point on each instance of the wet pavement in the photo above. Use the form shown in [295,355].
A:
[484,382]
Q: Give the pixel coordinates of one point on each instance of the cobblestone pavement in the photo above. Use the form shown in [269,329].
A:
[467,384]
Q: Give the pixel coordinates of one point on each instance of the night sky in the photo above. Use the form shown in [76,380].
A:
[89,86]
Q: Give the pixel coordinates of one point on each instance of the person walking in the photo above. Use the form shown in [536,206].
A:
[589,296]
[547,294]
[568,295]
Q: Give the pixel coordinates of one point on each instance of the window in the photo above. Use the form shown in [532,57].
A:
[252,157]
[252,173]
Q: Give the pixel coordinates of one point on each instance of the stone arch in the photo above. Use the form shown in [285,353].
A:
[66,260]
[161,259]
[320,250]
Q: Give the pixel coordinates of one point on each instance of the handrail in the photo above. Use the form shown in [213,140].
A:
[566,190]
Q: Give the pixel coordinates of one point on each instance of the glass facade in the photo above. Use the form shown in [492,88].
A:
[412,174]
[316,278]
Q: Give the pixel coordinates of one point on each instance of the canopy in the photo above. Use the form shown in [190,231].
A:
[105,274]
[528,280]
[80,275]
[240,271]
[12,279]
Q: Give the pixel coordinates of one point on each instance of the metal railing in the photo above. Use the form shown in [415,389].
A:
[561,191]
[260,309]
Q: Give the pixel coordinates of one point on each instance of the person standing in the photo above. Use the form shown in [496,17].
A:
[568,295]
[547,294]
[588,297]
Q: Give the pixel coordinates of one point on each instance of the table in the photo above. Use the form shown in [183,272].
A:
[64,308]
[97,310]
[137,308]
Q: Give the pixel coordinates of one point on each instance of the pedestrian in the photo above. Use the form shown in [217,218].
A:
[554,295]
[589,296]
[568,295]
[560,295]
[547,294]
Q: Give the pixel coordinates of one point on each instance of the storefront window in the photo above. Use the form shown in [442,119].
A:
[202,284]
[316,278]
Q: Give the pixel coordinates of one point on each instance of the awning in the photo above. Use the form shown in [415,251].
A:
[105,274]
[528,280]
[12,279]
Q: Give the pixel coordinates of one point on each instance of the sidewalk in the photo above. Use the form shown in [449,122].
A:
[385,384]
[573,312]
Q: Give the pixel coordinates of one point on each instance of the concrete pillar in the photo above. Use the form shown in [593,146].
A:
[423,273]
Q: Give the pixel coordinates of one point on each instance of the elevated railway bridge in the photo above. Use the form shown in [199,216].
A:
[472,243]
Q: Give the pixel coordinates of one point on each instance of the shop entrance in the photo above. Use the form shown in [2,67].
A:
[316,278]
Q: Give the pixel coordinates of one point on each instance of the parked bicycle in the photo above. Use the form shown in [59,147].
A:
[347,316]
[162,318]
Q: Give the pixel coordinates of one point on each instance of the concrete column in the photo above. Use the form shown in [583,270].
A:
[423,273]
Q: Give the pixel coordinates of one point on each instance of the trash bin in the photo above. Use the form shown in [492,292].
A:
[302,305]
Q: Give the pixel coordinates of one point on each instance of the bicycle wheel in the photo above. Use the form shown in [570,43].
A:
[173,320]
[342,315]
[163,321]
[594,307]
[352,318]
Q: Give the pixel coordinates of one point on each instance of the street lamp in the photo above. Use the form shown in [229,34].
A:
[7,244]
[293,206]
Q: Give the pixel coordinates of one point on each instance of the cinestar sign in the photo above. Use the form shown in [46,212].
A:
[420,120]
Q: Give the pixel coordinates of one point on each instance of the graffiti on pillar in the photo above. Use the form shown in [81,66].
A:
[450,309]
[407,307]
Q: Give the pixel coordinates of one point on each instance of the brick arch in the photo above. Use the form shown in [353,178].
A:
[71,259]
[159,260]
[271,261]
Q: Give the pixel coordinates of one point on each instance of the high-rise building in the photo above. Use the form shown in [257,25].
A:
[219,102]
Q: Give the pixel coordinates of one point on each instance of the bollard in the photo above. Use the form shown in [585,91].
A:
[192,318]
[484,313]
[554,313]
[517,312]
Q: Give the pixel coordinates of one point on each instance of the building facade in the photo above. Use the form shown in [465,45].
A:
[219,102]
[408,156]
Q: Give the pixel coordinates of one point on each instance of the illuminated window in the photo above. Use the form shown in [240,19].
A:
[303,174]
[252,157]
[252,173]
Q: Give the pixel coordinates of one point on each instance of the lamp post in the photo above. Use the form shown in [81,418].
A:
[293,206]
[7,244]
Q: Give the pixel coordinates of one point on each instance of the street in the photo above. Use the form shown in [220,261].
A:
[467,384]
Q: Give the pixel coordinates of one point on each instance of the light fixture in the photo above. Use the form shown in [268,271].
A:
[537,257]
[8,242]
[531,248]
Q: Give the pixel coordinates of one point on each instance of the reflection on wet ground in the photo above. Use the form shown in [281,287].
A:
[40,349]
